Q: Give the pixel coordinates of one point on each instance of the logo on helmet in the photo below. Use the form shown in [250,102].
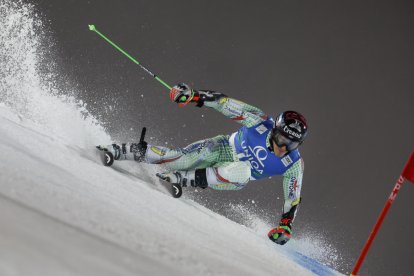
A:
[296,125]
[290,132]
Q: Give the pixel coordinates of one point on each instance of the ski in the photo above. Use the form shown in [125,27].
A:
[107,157]
[175,189]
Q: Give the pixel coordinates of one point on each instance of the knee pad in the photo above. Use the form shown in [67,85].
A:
[236,172]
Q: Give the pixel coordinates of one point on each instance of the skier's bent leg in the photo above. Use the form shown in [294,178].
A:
[229,176]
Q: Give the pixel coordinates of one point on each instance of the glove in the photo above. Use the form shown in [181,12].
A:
[139,150]
[282,233]
[181,94]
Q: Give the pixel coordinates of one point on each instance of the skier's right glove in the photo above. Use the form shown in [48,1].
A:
[282,233]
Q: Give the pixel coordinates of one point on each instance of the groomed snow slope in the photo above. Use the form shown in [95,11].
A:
[58,202]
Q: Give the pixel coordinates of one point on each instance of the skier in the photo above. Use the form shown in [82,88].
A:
[261,148]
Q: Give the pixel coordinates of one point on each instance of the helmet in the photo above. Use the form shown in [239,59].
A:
[290,130]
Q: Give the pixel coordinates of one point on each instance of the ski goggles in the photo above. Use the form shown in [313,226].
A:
[281,141]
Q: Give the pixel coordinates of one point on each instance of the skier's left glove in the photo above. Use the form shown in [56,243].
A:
[282,233]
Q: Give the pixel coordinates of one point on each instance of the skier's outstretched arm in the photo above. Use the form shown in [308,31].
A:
[292,184]
[238,111]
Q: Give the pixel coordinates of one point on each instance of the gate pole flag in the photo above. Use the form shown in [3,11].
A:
[408,173]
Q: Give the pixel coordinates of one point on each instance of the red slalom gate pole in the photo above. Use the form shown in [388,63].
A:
[408,173]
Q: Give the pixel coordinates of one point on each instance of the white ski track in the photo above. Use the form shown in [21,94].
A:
[64,213]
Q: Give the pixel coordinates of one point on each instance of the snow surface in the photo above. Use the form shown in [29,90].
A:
[63,213]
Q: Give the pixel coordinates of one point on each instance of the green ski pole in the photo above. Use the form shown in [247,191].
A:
[93,28]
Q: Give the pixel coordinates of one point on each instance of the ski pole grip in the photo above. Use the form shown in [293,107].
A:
[408,172]
[144,130]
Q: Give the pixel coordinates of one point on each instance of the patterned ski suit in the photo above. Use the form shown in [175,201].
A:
[231,161]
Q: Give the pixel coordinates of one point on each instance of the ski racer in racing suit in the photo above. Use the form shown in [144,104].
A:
[260,149]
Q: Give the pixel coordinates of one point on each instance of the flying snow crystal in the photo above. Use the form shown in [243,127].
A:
[28,78]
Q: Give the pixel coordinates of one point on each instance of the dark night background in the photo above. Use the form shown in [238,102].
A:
[348,66]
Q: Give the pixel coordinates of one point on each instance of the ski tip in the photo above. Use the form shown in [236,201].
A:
[161,176]
[176,190]
[101,148]
[107,159]
[92,27]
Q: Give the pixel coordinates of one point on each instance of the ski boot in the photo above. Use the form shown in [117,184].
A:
[179,179]
[110,153]
[115,152]
[175,179]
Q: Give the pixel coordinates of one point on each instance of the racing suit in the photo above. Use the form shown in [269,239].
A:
[229,162]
